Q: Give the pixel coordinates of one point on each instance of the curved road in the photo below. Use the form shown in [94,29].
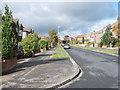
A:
[100,70]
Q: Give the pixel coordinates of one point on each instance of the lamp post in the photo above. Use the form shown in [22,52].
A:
[58,34]
[94,39]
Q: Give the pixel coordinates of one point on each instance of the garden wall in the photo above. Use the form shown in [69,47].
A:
[8,64]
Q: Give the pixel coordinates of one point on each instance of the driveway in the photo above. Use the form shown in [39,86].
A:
[40,72]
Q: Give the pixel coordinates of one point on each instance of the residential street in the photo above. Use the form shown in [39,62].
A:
[100,70]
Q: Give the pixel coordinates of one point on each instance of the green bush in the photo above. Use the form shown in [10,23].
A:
[101,44]
[30,44]
[43,43]
[117,44]
[74,42]
[114,42]
[90,43]
[9,35]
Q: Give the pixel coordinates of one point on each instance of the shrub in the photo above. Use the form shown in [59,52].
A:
[114,42]
[30,44]
[90,43]
[74,42]
[117,44]
[101,44]
[43,43]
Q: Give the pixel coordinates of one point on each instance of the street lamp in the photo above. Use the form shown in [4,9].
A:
[94,39]
[58,33]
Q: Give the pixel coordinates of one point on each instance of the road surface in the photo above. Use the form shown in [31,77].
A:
[100,70]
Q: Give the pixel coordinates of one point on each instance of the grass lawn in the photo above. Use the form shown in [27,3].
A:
[109,51]
[60,55]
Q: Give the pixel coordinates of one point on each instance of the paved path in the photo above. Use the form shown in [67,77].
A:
[100,70]
[40,72]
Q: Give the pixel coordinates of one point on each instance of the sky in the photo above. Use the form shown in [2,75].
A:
[74,18]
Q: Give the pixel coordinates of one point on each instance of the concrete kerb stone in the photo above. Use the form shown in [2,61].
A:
[78,72]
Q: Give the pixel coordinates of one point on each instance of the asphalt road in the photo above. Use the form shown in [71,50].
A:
[100,70]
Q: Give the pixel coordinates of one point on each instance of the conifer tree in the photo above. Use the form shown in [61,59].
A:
[107,37]
[9,35]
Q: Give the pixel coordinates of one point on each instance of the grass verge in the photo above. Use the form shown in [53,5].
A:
[60,49]
[109,51]
[89,48]
[60,55]
[98,49]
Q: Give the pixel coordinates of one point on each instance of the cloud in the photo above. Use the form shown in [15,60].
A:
[72,31]
[73,18]
[99,25]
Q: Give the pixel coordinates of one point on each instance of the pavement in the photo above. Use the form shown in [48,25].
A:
[100,70]
[41,71]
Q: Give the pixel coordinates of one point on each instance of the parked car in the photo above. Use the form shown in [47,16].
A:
[62,45]
[66,46]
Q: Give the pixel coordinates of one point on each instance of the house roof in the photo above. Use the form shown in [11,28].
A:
[83,35]
[41,36]
[28,30]
[115,24]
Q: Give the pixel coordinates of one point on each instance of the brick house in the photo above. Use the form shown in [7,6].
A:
[92,37]
[116,28]
[79,38]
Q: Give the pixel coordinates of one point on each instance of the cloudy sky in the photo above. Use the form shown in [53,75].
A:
[74,18]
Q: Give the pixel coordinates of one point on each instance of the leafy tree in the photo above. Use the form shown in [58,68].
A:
[0,17]
[67,38]
[53,37]
[30,44]
[101,44]
[49,40]
[83,40]
[63,41]
[9,35]
[107,37]
[43,43]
